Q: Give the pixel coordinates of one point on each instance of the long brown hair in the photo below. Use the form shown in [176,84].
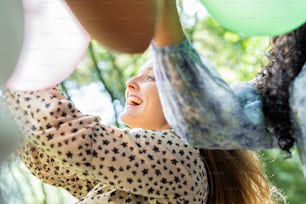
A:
[236,177]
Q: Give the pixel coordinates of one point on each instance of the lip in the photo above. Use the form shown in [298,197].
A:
[134,96]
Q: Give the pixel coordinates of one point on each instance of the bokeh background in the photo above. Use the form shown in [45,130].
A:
[97,87]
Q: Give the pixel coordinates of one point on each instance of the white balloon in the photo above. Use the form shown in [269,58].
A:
[11,36]
[54,44]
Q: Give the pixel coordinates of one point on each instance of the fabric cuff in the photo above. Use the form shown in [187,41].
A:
[173,48]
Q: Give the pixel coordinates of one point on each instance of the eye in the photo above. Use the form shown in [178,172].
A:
[149,78]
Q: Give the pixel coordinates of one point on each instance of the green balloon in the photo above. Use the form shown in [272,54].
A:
[258,17]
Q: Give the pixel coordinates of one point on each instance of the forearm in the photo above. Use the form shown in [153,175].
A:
[168,28]
[88,148]
[201,107]
[50,171]
[198,104]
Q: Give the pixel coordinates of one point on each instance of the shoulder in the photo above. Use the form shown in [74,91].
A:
[166,138]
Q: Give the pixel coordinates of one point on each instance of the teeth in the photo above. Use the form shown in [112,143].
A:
[132,100]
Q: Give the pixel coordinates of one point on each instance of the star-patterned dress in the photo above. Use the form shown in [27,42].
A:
[98,163]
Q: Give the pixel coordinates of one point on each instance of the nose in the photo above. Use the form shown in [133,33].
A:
[132,84]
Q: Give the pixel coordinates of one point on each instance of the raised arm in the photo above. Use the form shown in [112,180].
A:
[125,159]
[198,104]
[50,171]
[168,28]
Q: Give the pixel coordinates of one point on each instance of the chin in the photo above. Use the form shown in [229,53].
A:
[127,120]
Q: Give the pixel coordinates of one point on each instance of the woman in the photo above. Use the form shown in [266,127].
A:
[102,164]
[146,163]
[124,165]
[245,115]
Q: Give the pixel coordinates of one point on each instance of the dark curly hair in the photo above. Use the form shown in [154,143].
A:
[286,58]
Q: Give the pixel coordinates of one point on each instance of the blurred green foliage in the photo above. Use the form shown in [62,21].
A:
[286,174]
[236,57]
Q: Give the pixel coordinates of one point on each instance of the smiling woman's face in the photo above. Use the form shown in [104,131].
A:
[143,108]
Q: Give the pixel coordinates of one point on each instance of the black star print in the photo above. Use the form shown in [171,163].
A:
[105,142]
[115,150]
[169,142]
[124,144]
[145,171]
[132,158]
[50,136]
[163,180]
[69,154]
[130,180]
[94,153]
[69,105]
[74,130]
[155,149]
[150,157]
[176,179]
[33,128]
[47,105]
[111,169]
[150,190]
[157,172]
[174,161]
[88,151]
[64,114]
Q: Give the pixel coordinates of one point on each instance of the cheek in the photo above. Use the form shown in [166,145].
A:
[155,113]
[155,104]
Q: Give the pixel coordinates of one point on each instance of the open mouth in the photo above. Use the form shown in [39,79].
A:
[134,101]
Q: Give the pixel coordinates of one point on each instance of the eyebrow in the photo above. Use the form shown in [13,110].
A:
[146,70]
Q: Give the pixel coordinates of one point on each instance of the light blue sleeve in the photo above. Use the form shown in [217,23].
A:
[202,108]
[297,103]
